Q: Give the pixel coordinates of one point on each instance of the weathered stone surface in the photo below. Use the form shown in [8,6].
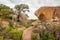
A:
[23,18]
[35,23]
[4,23]
[48,13]
[27,34]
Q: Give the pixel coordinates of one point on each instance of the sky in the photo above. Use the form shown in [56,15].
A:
[33,5]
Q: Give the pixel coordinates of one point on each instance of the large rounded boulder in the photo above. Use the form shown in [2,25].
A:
[48,13]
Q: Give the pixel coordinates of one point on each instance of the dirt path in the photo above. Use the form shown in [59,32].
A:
[27,34]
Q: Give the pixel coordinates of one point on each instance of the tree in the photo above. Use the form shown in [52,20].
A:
[21,8]
[5,12]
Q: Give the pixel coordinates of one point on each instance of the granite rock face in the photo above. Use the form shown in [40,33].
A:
[4,23]
[48,13]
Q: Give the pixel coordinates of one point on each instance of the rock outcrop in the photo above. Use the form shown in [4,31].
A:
[48,13]
[4,23]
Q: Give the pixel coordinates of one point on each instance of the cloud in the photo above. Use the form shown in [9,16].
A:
[49,2]
[6,2]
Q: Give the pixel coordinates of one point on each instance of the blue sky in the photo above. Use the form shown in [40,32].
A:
[33,4]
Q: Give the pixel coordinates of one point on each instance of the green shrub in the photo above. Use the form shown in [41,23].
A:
[35,36]
[16,34]
[51,37]
[0,28]
[26,25]
[7,30]
[1,37]
[45,37]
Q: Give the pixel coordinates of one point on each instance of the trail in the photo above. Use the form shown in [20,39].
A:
[27,34]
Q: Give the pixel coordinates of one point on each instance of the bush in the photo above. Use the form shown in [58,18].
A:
[47,37]
[51,32]
[26,25]
[16,34]
[7,30]
[35,36]
[0,28]
[1,37]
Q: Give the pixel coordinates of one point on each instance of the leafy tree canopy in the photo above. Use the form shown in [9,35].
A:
[21,7]
[5,11]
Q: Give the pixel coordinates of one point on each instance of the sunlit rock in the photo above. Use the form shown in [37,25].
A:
[48,13]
